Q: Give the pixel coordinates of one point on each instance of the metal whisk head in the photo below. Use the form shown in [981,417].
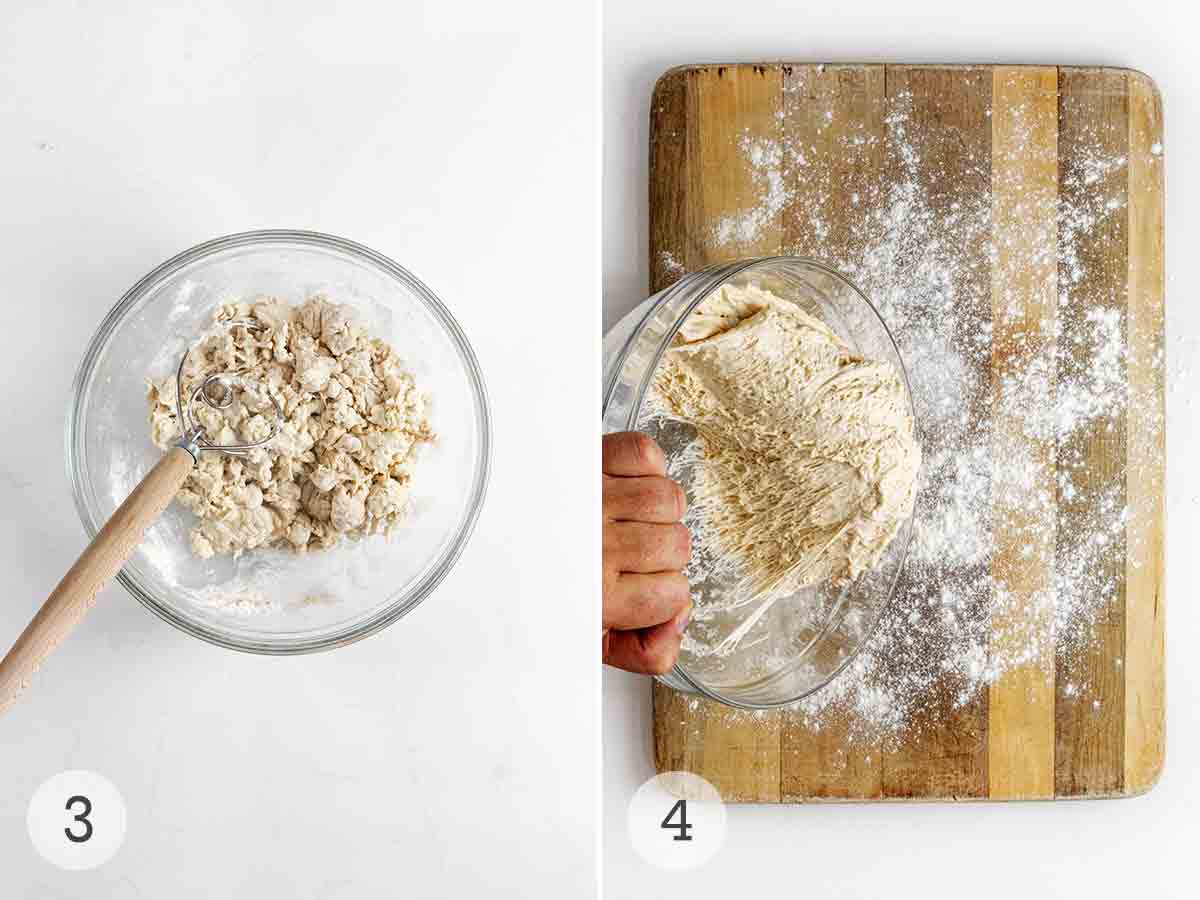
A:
[216,392]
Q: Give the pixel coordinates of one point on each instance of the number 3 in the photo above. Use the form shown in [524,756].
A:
[81,818]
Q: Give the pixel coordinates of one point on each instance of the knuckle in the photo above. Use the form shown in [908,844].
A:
[679,591]
[660,661]
[644,449]
[668,593]
[680,498]
[662,552]
[683,542]
[659,494]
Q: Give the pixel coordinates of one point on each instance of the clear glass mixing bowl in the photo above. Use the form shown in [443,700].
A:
[275,601]
[806,639]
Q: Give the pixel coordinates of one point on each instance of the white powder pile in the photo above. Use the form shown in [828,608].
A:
[928,271]
[766,159]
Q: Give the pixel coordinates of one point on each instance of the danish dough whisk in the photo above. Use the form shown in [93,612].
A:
[121,534]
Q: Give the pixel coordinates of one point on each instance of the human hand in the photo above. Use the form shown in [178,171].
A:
[647,601]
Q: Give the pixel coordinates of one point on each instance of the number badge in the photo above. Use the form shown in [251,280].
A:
[77,820]
[677,821]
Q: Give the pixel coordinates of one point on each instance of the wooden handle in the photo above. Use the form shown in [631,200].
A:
[102,559]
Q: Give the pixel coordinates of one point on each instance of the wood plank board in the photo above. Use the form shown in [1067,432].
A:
[1020,140]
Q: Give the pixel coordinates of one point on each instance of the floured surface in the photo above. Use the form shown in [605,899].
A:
[1007,224]
[806,461]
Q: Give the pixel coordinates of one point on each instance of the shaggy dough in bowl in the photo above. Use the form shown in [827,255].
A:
[342,461]
[807,459]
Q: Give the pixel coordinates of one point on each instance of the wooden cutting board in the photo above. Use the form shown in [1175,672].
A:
[1034,733]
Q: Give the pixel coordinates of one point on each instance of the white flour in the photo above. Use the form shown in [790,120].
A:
[941,643]
[766,161]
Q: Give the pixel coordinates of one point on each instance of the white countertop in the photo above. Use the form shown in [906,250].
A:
[455,753]
[1139,847]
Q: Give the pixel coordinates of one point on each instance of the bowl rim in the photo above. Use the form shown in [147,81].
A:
[440,566]
[706,281]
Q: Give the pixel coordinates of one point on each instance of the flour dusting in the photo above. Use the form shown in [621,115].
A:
[1000,440]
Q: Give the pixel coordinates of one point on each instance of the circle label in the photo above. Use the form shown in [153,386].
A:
[77,820]
[677,821]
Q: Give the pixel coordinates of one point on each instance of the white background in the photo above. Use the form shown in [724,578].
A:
[1140,847]
[454,754]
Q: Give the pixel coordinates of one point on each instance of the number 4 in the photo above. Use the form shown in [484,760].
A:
[683,825]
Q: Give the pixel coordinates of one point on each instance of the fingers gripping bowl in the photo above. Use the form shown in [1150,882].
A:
[738,650]
[272,600]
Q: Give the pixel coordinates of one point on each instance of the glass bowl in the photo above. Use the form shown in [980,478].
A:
[276,601]
[807,638]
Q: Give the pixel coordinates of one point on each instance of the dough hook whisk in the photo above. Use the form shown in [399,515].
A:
[123,531]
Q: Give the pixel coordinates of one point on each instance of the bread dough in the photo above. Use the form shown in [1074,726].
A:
[807,460]
[342,461]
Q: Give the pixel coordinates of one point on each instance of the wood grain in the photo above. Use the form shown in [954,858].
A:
[738,752]
[750,95]
[831,103]
[1145,655]
[673,225]
[1024,310]
[745,762]
[946,755]
[1037,732]
[1093,124]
